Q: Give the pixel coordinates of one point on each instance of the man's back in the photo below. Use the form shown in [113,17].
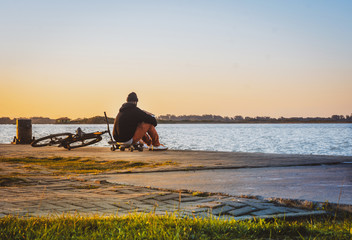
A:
[127,120]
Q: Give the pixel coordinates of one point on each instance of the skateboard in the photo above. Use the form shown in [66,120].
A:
[122,146]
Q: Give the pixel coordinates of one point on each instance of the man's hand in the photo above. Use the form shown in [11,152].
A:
[151,114]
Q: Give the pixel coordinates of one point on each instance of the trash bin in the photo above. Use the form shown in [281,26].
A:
[24,132]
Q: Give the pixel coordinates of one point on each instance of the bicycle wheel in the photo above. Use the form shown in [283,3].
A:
[83,141]
[53,139]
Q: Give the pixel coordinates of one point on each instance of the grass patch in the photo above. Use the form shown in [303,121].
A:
[77,165]
[200,194]
[149,226]
[11,181]
[89,186]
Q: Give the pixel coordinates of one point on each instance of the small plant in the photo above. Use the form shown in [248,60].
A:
[200,194]
[89,186]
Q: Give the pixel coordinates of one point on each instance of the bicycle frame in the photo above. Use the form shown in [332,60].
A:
[69,140]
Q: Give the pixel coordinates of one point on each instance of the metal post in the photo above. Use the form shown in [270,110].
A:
[24,131]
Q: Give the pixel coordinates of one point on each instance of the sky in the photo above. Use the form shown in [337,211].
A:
[227,57]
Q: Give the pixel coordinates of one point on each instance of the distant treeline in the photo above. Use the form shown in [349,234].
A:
[63,120]
[191,119]
[239,119]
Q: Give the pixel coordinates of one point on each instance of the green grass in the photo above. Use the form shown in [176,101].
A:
[62,165]
[149,226]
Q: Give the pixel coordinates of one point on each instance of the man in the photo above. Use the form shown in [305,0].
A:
[133,124]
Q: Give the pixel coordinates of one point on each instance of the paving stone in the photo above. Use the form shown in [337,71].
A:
[171,202]
[66,206]
[49,206]
[147,196]
[235,204]
[190,198]
[84,204]
[128,201]
[221,209]
[242,211]
[167,197]
[224,198]
[199,210]
[297,210]
[253,200]
[153,202]
[265,212]
[209,204]
[282,209]
[125,191]
[257,205]
[205,199]
[123,205]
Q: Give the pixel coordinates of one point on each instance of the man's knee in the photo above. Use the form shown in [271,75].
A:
[145,126]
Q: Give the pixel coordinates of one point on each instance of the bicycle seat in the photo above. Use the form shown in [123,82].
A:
[79,132]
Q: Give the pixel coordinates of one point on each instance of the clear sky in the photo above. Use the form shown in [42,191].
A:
[251,58]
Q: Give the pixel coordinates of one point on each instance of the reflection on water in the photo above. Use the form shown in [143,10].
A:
[321,139]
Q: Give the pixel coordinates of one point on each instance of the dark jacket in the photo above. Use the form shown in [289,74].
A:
[127,121]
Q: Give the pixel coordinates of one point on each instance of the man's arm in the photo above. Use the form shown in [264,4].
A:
[146,117]
[151,114]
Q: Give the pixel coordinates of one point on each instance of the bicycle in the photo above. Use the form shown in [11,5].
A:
[69,140]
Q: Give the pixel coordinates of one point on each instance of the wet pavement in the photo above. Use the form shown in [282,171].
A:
[332,183]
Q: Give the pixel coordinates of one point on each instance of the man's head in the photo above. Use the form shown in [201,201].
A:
[132,98]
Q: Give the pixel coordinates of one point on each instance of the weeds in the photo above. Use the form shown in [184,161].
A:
[78,165]
[11,181]
[89,186]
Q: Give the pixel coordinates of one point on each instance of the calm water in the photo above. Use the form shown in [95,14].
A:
[321,139]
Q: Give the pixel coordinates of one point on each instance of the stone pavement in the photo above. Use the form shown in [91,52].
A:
[54,196]
[39,194]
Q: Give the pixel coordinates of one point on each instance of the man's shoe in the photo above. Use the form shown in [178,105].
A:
[158,148]
[145,146]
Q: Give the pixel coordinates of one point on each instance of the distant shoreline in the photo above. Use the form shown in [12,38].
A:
[190,119]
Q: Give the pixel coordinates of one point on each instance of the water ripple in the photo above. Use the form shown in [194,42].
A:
[320,139]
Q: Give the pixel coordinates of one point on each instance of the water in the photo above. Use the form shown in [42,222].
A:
[320,139]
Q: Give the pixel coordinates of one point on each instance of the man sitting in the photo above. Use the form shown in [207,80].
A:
[133,125]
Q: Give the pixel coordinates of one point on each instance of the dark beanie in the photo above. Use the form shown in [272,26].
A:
[132,97]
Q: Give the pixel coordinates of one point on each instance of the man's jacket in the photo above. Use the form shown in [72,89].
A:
[127,121]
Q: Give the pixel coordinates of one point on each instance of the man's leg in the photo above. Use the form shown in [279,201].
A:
[141,133]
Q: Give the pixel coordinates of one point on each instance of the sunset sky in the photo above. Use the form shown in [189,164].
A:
[251,58]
